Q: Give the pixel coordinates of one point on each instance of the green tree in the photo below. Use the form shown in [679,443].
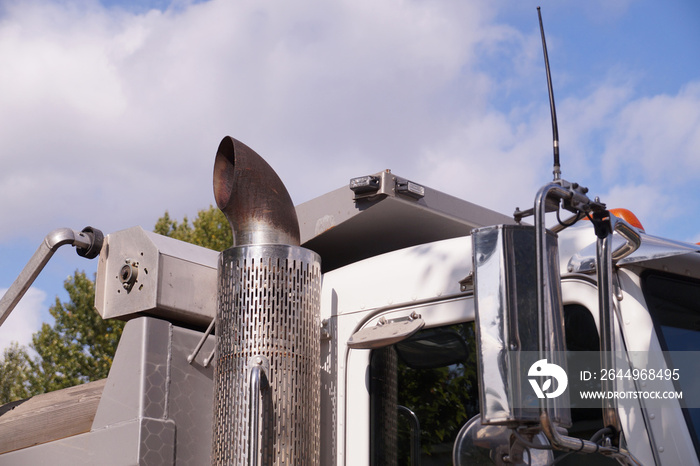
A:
[210,229]
[443,398]
[14,373]
[79,346]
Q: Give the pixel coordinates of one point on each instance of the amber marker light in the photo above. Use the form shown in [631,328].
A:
[628,217]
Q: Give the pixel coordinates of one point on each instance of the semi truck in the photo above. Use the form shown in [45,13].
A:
[383,323]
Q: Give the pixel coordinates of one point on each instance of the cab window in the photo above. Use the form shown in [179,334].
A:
[582,335]
[674,305]
[422,391]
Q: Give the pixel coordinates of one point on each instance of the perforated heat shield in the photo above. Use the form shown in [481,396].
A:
[266,408]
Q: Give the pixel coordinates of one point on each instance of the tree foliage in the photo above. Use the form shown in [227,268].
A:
[210,229]
[443,398]
[79,346]
[14,373]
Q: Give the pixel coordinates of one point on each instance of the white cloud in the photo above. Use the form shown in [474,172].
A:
[492,161]
[650,203]
[24,320]
[658,138]
[114,117]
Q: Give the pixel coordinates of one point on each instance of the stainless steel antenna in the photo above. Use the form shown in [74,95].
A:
[555,129]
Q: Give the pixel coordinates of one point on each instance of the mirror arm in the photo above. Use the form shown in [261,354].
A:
[605,224]
[545,319]
[605,321]
[546,324]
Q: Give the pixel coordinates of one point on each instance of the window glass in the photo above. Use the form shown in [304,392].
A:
[433,374]
[582,335]
[674,304]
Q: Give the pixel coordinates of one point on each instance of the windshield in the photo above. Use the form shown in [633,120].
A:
[674,304]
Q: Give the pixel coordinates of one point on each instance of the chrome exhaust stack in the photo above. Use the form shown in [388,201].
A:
[266,377]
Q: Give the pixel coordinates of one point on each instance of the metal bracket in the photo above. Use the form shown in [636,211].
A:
[467,282]
[571,196]
[198,348]
[325,330]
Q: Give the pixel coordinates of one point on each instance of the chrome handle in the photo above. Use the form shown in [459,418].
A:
[415,434]
[259,384]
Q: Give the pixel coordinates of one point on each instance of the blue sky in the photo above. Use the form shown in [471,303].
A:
[110,113]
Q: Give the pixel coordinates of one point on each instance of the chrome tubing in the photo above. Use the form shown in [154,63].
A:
[545,320]
[269,307]
[606,258]
[88,243]
[632,237]
[415,433]
[549,428]
[605,319]
[258,387]
[200,343]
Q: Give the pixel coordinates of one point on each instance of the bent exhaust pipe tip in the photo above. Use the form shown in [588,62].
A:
[252,197]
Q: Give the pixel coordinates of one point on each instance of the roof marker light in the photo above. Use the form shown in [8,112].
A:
[409,188]
[364,184]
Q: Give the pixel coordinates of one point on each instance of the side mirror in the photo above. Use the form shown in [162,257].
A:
[507,323]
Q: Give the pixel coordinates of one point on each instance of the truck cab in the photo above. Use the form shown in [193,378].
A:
[407,402]
[407,371]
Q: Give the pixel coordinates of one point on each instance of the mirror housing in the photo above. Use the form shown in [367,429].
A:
[508,323]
